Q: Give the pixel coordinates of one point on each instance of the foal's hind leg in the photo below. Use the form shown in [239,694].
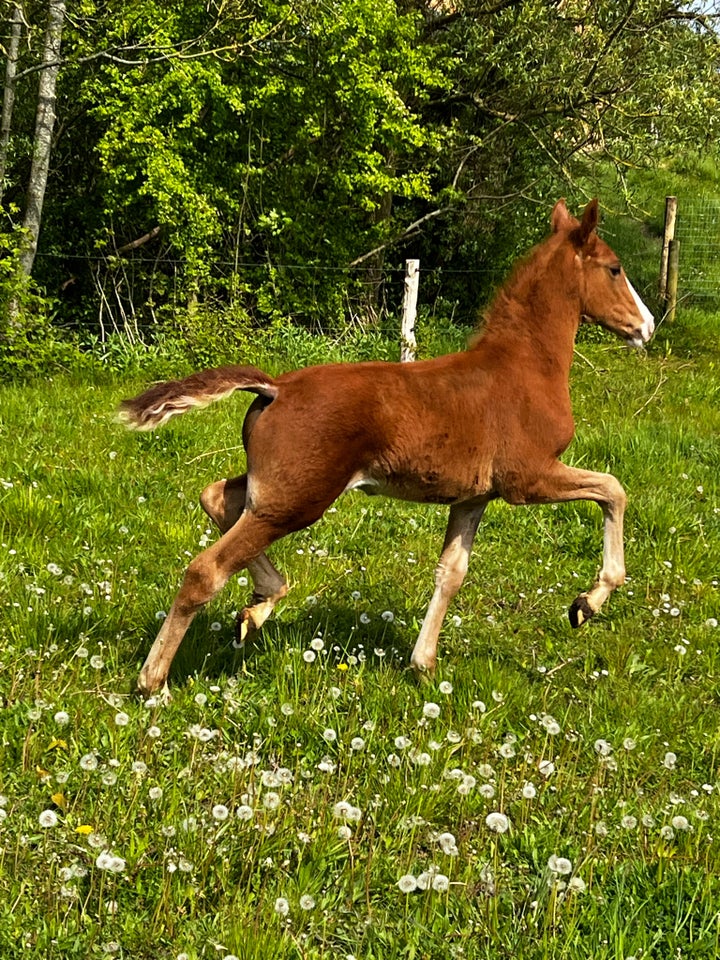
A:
[449,575]
[224,502]
[205,577]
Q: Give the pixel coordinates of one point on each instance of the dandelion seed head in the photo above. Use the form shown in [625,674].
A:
[680,823]
[497,822]
[448,844]
[560,865]
[407,883]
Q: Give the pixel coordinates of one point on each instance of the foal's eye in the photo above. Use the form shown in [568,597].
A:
[615,270]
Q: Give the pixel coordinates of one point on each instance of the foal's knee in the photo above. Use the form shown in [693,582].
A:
[201,583]
[449,577]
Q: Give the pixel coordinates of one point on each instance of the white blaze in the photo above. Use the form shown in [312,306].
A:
[648,321]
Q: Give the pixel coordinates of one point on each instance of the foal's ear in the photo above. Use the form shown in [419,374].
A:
[589,221]
[561,219]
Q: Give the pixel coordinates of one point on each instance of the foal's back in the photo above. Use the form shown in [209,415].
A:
[441,430]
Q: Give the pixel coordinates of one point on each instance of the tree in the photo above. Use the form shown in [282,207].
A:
[42,141]
[13,47]
[279,156]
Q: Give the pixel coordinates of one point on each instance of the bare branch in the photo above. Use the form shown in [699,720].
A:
[139,242]
[406,232]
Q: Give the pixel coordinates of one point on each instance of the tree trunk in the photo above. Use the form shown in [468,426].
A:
[375,270]
[44,122]
[16,22]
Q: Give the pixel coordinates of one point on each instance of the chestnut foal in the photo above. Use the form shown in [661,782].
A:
[462,430]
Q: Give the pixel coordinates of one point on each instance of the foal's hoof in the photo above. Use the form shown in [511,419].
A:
[161,696]
[245,628]
[424,673]
[580,611]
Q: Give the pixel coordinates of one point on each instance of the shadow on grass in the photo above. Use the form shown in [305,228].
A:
[212,652]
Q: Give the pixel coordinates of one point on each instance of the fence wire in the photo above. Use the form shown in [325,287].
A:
[698,230]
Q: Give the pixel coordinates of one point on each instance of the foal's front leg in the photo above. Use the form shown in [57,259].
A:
[565,483]
[449,575]
[224,502]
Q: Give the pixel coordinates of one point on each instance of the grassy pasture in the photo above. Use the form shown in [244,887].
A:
[296,800]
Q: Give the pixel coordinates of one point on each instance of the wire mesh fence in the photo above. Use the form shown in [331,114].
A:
[698,230]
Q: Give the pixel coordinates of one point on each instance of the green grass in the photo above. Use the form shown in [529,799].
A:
[96,526]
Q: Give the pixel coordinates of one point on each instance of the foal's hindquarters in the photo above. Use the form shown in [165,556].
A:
[282,492]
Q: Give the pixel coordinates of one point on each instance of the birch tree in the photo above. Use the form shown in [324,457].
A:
[42,142]
[16,23]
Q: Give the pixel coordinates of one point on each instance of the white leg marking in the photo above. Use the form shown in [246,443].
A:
[449,575]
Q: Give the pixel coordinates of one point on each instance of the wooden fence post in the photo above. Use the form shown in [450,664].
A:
[408,344]
[672,279]
[668,236]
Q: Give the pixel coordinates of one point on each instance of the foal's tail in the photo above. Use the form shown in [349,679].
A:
[164,400]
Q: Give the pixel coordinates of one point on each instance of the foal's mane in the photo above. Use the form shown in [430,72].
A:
[506,307]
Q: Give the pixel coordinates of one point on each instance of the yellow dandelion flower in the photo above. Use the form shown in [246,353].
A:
[84,829]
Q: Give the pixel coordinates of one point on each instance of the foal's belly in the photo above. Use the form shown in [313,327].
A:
[418,486]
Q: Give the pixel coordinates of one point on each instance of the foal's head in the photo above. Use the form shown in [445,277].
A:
[607,296]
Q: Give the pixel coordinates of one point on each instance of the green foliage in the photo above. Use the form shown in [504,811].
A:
[29,342]
[275,143]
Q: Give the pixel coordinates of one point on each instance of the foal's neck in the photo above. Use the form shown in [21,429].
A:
[539,307]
